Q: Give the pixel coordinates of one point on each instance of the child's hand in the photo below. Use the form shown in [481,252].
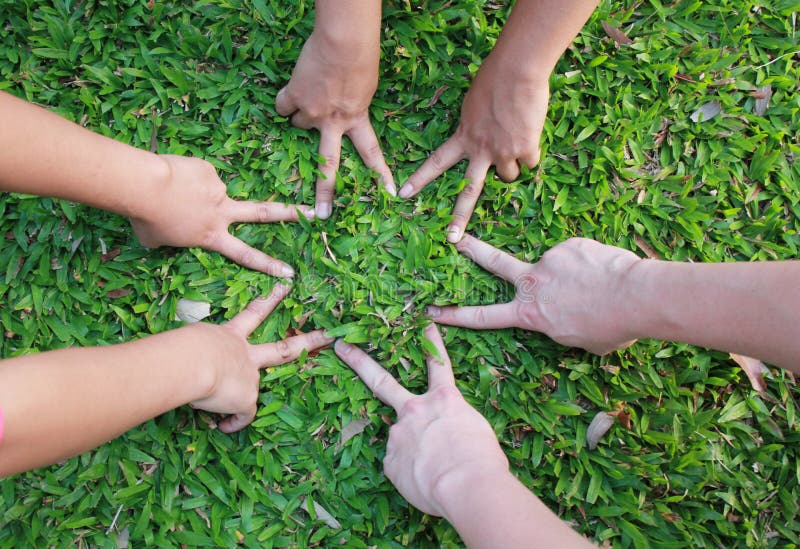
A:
[191,208]
[330,90]
[501,122]
[437,437]
[581,293]
[235,364]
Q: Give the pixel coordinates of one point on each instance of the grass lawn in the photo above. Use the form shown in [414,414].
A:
[704,461]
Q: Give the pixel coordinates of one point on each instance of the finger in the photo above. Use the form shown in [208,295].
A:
[495,261]
[531,160]
[257,310]
[284,105]
[237,422]
[485,317]
[508,170]
[301,120]
[366,143]
[465,203]
[266,212]
[379,381]
[330,149]
[442,159]
[287,350]
[236,250]
[440,369]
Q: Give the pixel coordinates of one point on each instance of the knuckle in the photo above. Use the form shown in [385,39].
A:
[436,160]
[283,348]
[264,213]
[330,161]
[246,257]
[472,189]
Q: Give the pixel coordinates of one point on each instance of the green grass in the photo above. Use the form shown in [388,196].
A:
[706,462]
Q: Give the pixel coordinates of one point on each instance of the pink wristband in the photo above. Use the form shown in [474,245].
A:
[2,424]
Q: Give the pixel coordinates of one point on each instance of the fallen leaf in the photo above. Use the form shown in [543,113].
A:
[646,248]
[123,538]
[189,310]
[685,78]
[623,416]
[755,371]
[762,96]
[110,255]
[121,292]
[707,111]
[322,513]
[619,37]
[599,426]
[352,429]
[436,95]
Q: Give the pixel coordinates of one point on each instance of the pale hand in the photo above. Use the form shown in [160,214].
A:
[191,208]
[501,123]
[437,436]
[579,294]
[236,364]
[331,91]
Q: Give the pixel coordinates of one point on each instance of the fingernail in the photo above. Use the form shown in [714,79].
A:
[433,312]
[405,192]
[340,346]
[453,234]
[323,211]
[310,213]
[287,271]
[328,339]
[391,189]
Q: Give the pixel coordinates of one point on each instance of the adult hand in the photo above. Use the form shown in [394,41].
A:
[437,437]
[578,294]
[236,365]
[501,122]
[193,209]
[330,90]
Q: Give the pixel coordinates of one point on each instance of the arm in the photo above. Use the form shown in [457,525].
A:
[331,88]
[503,113]
[43,154]
[62,403]
[444,458]
[598,297]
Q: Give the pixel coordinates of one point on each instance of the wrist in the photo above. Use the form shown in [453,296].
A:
[152,177]
[455,489]
[645,296]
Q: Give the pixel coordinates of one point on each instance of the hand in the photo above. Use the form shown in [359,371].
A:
[235,364]
[192,209]
[331,90]
[577,294]
[501,123]
[437,437]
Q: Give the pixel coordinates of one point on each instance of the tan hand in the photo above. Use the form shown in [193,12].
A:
[193,209]
[331,91]
[437,434]
[501,123]
[236,365]
[576,294]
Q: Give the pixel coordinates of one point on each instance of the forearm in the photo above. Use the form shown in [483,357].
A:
[44,154]
[61,403]
[351,27]
[537,33]
[745,308]
[495,510]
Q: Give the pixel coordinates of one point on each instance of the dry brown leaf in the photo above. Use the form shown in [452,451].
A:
[189,310]
[436,95]
[755,371]
[121,292]
[110,255]
[352,429]
[599,426]
[646,248]
[762,96]
[322,513]
[617,35]
[623,416]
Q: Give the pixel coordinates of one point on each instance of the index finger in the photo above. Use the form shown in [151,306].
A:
[247,256]
[257,310]
[380,382]
[266,212]
[493,260]
[440,369]
[442,159]
[465,203]
[366,143]
[330,149]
